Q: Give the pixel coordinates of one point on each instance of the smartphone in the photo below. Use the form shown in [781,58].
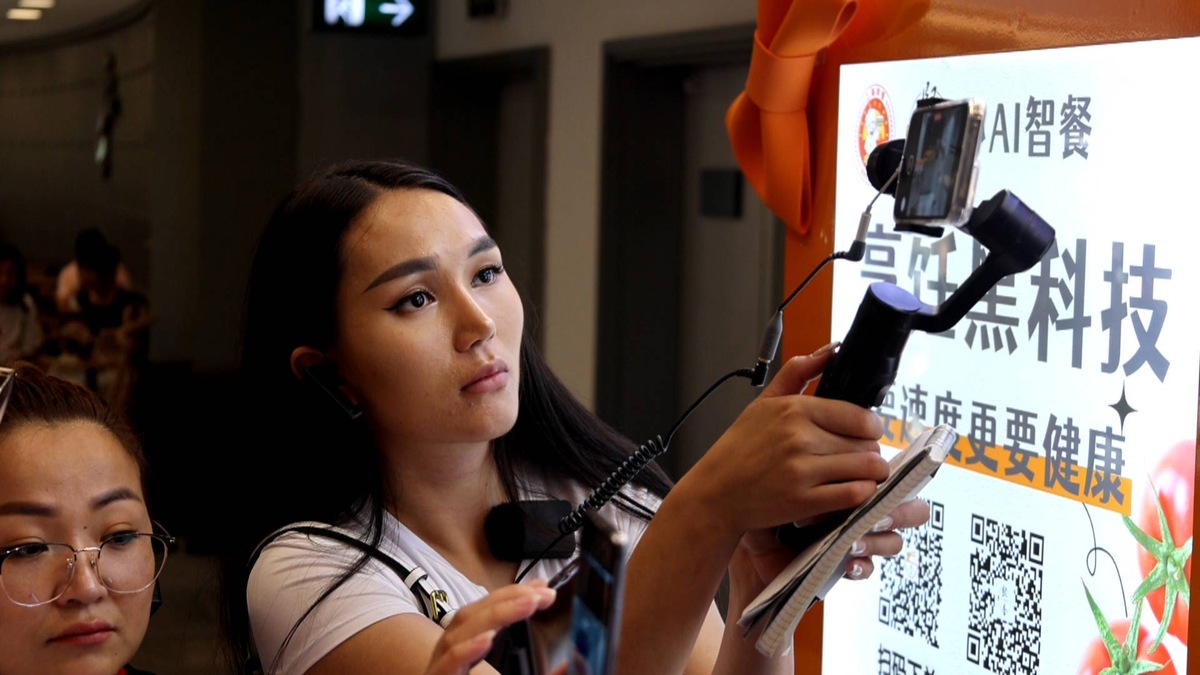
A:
[577,635]
[936,185]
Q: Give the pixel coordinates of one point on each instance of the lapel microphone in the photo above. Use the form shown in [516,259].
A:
[518,531]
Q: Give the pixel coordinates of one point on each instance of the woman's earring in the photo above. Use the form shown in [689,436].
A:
[324,376]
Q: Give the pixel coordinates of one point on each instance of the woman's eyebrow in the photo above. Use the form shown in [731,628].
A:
[483,243]
[402,270]
[20,508]
[28,509]
[114,495]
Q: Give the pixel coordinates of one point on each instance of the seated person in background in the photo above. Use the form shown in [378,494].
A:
[78,553]
[109,330]
[20,329]
[88,243]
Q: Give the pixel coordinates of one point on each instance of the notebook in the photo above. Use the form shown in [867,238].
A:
[821,563]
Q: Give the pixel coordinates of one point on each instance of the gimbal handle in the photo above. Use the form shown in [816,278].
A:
[865,366]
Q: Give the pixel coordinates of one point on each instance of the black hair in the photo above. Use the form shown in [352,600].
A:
[102,258]
[322,466]
[16,297]
[88,240]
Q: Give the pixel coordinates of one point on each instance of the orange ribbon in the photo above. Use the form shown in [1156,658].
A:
[768,122]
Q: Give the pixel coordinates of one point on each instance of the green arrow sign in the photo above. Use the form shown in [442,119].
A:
[396,17]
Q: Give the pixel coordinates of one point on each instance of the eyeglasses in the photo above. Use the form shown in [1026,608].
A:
[37,574]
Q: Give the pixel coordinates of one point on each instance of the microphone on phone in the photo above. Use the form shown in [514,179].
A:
[882,164]
[522,530]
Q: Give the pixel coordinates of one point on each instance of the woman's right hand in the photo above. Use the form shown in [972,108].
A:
[788,457]
[468,638]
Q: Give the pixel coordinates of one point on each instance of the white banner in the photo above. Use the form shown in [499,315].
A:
[1073,385]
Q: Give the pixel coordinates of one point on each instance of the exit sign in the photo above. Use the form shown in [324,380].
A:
[408,18]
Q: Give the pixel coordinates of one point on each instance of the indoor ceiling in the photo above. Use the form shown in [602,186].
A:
[67,18]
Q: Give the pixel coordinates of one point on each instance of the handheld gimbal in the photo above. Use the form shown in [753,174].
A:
[865,366]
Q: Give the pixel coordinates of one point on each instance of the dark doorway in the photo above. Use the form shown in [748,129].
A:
[654,345]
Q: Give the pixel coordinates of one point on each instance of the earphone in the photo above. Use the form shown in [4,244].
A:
[324,375]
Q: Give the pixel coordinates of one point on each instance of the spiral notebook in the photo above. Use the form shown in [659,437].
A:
[819,565]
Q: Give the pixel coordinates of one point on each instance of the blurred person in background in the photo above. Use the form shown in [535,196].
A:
[109,331]
[89,243]
[21,332]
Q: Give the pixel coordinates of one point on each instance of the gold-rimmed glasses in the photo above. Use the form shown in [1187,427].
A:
[38,573]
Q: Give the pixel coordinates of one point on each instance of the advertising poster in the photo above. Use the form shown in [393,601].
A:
[1073,385]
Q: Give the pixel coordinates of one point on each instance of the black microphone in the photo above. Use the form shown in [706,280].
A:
[522,530]
[882,164]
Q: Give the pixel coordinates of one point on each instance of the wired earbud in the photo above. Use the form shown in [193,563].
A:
[323,374]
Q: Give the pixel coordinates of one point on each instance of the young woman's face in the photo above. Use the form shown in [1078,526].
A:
[429,323]
[70,484]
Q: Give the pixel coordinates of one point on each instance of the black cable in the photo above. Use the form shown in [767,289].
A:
[541,555]
[856,252]
[833,256]
[629,468]
[770,343]
[741,372]
[857,248]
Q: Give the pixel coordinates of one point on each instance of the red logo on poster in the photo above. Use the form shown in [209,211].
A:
[875,118]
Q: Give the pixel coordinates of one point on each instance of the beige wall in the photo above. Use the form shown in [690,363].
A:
[575,31]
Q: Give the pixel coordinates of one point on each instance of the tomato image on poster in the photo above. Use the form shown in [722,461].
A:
[1167,562]
[1161,530]
[1114,655]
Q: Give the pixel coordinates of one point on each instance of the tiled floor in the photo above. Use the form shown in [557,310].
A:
[184,635]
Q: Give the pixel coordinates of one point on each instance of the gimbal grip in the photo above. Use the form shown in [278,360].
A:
[865,366]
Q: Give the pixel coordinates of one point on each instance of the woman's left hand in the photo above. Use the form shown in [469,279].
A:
[468,638]
[885,540]
[768,557]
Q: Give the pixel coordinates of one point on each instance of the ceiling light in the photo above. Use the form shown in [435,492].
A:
[24,14]
[36,4]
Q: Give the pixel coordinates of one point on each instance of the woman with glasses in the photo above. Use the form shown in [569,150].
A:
[78,552]
[393,392]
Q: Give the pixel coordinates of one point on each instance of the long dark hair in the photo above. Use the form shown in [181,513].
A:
[322,466]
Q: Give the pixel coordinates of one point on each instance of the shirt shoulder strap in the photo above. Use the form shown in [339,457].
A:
[433,601]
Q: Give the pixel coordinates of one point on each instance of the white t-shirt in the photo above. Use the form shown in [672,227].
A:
[68,284]
[295,569]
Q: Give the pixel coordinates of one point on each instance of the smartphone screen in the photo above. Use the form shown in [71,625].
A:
[935,164]
[936,182]
[577,635]
[591,619]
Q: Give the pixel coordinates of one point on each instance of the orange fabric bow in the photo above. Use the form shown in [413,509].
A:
[768,122]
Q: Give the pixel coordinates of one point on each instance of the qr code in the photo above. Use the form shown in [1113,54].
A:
[892,662]
[910,595]
[1004,622]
